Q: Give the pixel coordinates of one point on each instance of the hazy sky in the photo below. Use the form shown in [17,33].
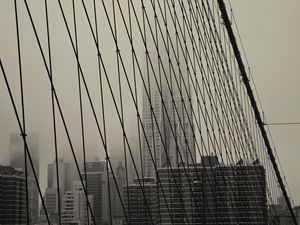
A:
[270,33]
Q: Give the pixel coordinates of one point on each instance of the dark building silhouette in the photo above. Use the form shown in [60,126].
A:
[12,196]
[16,160]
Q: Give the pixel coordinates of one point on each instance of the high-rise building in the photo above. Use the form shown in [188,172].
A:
[12,196]
[75,206]
[168,126]
[94,177]
[17,160]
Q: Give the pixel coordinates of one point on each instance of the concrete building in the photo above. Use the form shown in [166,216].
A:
[75,206]
[12,196]
[17,160]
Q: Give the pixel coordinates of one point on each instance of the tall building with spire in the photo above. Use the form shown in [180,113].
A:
[167,120]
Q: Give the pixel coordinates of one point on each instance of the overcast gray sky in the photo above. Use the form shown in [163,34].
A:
[270,33]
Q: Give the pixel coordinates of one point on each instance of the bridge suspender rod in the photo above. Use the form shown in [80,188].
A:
[260,123]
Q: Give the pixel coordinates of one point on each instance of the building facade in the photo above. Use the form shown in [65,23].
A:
[12,196]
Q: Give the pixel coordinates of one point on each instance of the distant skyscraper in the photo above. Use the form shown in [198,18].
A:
[168,129]
[16,160]
[12,196]
[94,176]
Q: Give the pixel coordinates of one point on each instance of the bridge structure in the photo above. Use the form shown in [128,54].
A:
[159,85]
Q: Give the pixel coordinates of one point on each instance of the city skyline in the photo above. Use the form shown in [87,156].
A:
[119,93]
[263,67]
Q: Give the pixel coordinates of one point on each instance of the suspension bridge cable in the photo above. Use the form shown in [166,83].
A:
[254,105]
[225,126]
[110,89]
[152,68]
[57,101]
